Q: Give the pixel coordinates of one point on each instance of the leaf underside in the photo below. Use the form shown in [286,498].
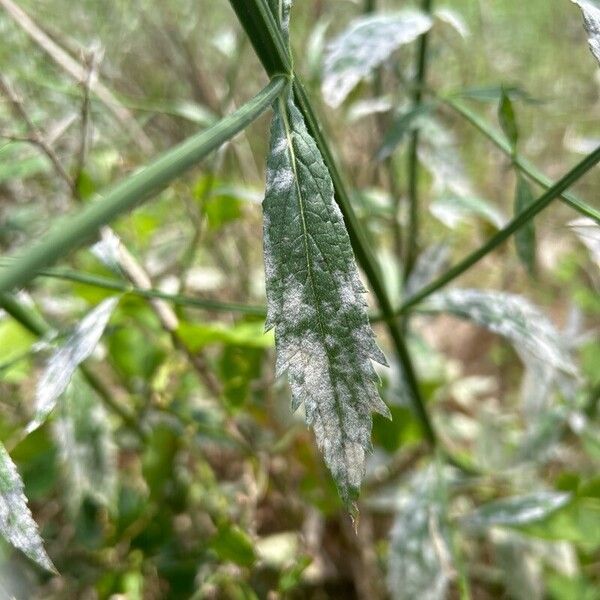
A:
[315,302]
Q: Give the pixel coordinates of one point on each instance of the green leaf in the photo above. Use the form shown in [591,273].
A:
[232,544]
[402,125]
[248,334]
[561,587]
[16,523]
[87,450]
[532,334]
[525,238]
[591,19]
[508,120]
[428,266]
[367,43]
[63,363]
[454,210]
[419,542]
[315,302]
[516,511]
[577,522]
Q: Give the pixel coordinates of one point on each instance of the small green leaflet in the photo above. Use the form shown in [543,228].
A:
[16,523]
[63,363]
[367,43]
[420,558]
[86,447]
[315,301]
[525,237]
[508,120]
[591,19]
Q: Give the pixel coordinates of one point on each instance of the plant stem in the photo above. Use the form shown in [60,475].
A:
[519,161]
[36,325]
[256,18]
[109,283]
[79,227]
[413,151]
[501,236]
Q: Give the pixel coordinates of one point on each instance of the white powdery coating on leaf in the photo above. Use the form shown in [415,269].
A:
[518,510]
[67,358]
[531,332]
[588,232]
[367,43]
[591,18]
[316,304]
[16,523]
[87,451]
[415,568]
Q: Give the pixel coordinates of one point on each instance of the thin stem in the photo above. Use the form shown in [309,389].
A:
[519,161]
[36,325]
[78,228]
[413,151]
[109,283]
[501,236]
[257,20]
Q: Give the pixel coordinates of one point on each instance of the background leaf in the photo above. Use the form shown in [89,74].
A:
[16,523]
[63,363]
[525,238]
[591,18]
[419,542]
[518,510]
[87,450]
[367,43]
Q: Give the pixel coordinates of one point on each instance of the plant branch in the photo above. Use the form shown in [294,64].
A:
[501,236]
[519,161]
[413,151]
[78,228]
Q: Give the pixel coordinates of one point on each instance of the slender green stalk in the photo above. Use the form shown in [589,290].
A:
[81,226]
[109,283]
[413,151]
[35,324]
[256,18]
[519,161]
[501,236]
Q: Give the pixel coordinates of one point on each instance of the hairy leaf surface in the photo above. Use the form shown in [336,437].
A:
[367,43]
[591,18]
[16,523]
[419,542]
[63,363]
[315,301]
